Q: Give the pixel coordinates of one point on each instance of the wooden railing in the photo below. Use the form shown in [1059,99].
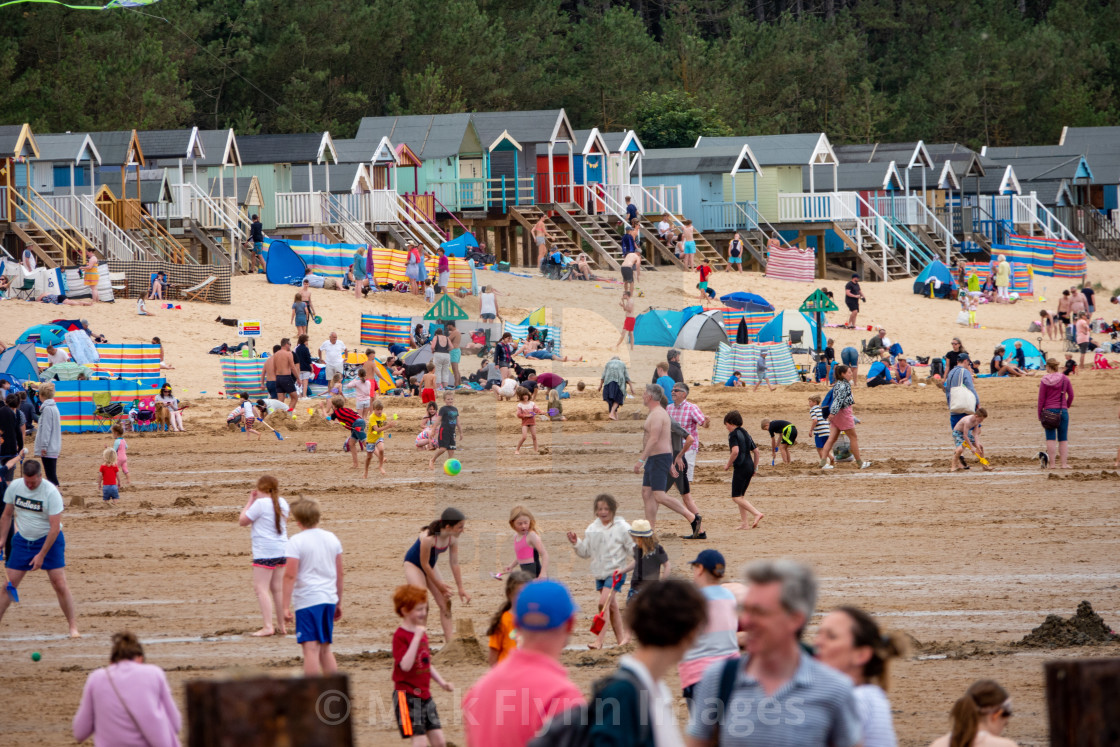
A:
[28,206]
[728,216]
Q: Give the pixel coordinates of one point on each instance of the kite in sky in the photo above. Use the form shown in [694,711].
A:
[110,6]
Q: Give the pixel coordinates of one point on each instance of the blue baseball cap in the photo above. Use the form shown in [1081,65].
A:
[712,561]
[543,605]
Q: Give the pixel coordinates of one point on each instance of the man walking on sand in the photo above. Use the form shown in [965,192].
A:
[36,507]
[631,270]
[287,373]
[656,460]
[852,296]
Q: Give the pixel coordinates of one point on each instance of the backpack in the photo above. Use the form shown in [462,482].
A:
[826,403]
[572,727]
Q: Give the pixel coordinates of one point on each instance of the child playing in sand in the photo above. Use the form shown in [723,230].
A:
[107,477]
[528,548]
[426,438]
[362,392]
[428,384]
[744,460]
[967,429]
[335,387]
[248,417]
[413,672]
[121,447]
[650,563]
[447,429]
[340,413]
[1071,365]
[819,425]
[502,632]
[313,588]
[375,437]
[555,406]
[736,379]
[608,543]
[783,434]
[527,410]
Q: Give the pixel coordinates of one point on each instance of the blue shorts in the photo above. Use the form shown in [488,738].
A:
[849,356]
[541,355]
[735,260]
[258,248]
[24,551]
[358,431]
[456,355]
[690,247]
[601,583]
[820,441]
[110,492]
[315,623]
[958,438]
[1062,431]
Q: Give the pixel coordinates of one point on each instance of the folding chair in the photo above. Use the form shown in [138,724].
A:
[105,410]
[118,281]
[796,336]
[200,292]
[23,289]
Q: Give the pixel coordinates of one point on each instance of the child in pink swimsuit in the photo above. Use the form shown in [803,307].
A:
[121,447]
[529,552]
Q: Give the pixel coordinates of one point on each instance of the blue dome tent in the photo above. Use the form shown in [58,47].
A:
[1034,359]
[657,327]
[779,328]
[939,276]
[283,266]
[18,364]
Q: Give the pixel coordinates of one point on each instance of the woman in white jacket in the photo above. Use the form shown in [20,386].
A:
[608,543]
[48,439]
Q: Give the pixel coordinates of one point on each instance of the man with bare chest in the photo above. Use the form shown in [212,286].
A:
[656,460]
[286,374]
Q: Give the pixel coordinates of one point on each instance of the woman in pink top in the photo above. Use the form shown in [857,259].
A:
[128,703]
[1055,395]
[1083,332]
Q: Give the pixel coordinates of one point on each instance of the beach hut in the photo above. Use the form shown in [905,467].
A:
[710,183]
[785,326]
[451,155]
[938,277]
[703,331]
[66,164]
[273,159]
[624,158]
[538,133]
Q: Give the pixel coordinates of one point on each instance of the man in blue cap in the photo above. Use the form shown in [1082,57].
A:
[717,640]
[509,704]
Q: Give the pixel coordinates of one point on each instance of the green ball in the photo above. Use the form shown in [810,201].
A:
[452,467]
[35,656]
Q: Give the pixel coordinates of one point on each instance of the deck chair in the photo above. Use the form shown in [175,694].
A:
[200,292]
[105,410]
[23,288]
[118,281]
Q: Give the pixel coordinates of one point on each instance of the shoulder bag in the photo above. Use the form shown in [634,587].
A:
[961,399]
[135,722]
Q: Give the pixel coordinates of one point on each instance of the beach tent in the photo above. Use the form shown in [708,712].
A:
[703,331]
[744,359]
[381,377]
[416,356]
[284,266]
[44,334]
[657,327]
[939,276]
[458,247]
[778,329]
[746,302]
[1033,355]
[17,363]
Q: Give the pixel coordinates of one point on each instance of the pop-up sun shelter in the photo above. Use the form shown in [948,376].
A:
[779,328]
[660,327]
[284,266]
[44,334]
[17,364]
[939,277]
[1033,355]
[703,331]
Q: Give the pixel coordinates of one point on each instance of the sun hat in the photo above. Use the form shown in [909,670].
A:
[543,605]
[641,528]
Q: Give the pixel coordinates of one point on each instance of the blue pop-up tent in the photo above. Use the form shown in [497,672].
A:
[939,276]
[657,327]
[45,334]
[460,245]
[18,364]
[1033,356]
[283,266]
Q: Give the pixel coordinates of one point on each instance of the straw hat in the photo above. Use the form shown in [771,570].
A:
[641,528]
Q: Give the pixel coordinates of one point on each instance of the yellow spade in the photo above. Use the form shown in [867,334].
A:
[968,446]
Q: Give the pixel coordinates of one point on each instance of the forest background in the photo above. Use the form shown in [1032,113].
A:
[992,72]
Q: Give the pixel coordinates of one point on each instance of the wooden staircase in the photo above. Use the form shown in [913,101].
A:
[870,253]
[597,232]
[42,244]
[1100,235]
[45,231]
[528,215]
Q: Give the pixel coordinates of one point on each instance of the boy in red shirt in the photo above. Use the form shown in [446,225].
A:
[705,270]
[413,671]
[339,412]
[107,479]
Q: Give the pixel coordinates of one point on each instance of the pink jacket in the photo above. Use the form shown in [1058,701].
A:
[144,687]
[1054,392]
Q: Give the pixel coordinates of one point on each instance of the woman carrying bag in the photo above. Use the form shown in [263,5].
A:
[1055,395]
[128,702]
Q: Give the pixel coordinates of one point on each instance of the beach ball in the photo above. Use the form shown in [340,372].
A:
[452,467]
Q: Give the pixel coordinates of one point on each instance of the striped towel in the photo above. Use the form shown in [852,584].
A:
[744,359]
[385,330]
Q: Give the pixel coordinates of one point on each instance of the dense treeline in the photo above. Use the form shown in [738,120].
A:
[986,71]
